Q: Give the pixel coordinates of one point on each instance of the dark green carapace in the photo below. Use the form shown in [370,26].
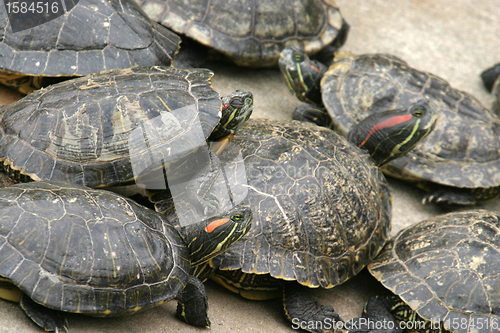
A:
[449,163]
[74,249]
[446,270]
[91,37]
[93,130]
[321,208]
[252,33]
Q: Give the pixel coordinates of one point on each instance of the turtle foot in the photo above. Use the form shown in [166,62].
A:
[193,304]
[376,318]
[313,114]
[448,197]
[48,319]
[305,313]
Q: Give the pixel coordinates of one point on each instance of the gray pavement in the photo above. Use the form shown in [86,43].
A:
[454,39]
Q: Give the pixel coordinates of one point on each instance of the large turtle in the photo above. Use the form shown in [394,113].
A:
[321,207]
[253,32]
[74,249]
[458,163]
[491,80]
[445,274]
[94,35]
[109,128]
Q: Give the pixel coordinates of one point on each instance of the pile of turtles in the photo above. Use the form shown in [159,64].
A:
[117,95]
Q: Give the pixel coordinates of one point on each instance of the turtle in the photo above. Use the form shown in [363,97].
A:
[321,208]
[70,248]
[457,164]
[252,33]
[443,273]
[92,36]
[491,82]
[113,127]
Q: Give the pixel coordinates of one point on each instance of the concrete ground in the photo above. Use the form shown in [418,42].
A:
[454,39]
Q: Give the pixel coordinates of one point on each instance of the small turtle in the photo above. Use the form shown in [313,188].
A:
[74,249]
[109,128]
[444,272]
[321,207]
[253,33]
[92,36]
[491,80]
[458,163]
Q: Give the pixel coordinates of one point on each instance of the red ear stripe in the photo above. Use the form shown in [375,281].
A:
[316,69]
[214,224]
[224,106]
[385,124]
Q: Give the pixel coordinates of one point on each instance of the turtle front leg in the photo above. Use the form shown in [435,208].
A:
[313,114]
[449,197]
[305,313]
[48,319]
[193,303]
[444,195]
[376,318]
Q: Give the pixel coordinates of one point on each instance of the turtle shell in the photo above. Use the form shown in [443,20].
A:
[447,269]
[252,32]
[94,130]
[76,249]
[462,151]
[321,208]
[93,36]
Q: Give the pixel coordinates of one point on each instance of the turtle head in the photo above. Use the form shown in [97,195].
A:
[215,235]
[388,135]
[236,109]
[302,75]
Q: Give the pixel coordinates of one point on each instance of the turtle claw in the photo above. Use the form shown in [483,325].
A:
[65,328]
[445,197]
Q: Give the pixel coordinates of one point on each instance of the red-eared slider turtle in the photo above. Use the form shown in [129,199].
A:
[74,249]
[321,208]
[491,80]
[253,33]
[447,270]
[93,36]
[458,163]
[94,130]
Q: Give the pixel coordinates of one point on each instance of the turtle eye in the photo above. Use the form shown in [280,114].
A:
[237,217]
[298,57]
[418,111]
[236,102]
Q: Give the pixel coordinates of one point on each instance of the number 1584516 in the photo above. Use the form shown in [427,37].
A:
[39,7]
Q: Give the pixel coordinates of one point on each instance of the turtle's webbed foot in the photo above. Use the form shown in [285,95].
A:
[313,114]
[193,304]
[449,197]
[48,319]
[305,312]
[376,318]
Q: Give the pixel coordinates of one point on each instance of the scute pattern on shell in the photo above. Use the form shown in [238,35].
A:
[76,249]
[446,267]
[78,131]
[120,36]
[321,208]
[463,150]
[251,32]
